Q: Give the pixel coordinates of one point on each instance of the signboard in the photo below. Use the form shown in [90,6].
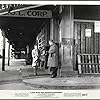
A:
[31,13]
[97,27]
[88,32]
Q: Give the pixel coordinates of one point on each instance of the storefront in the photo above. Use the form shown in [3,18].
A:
[87,36]
[75,29]
[79,38]
[23,24]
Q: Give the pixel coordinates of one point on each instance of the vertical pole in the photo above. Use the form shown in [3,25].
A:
[9,54]
[52,29]
[3,52]
[27,54]
[27,50]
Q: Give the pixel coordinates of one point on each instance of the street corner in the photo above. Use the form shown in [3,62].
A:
[63,83]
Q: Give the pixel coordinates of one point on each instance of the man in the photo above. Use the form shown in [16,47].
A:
[53,58]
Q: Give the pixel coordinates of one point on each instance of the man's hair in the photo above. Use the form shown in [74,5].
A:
[51,41]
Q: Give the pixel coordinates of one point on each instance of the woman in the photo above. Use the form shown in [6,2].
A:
[53,58]
[35,56]
[42,57]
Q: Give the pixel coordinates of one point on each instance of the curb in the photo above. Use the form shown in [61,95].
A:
[74,87]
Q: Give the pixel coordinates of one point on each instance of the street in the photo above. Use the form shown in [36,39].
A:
[15,86]
[11,79]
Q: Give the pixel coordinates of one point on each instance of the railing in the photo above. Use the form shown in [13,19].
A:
[88,63]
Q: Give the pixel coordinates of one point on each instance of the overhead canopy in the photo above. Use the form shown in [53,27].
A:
[23,30]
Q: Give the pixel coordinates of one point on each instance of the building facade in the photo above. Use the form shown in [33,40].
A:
[79,29]
[74,28]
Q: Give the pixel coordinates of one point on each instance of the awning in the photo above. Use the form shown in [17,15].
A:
[23,30]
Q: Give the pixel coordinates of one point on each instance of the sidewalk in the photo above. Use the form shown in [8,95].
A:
[65,83]
[11,72]
[10,76]
[43,80]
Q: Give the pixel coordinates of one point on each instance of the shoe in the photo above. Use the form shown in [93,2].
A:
[35,74]
[53,76]
[50,73]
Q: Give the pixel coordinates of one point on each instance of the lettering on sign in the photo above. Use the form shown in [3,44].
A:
[31,13]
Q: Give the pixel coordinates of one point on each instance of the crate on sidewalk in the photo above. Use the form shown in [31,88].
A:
[88,63]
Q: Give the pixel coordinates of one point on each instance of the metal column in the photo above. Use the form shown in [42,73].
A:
[3,51]
[9,54]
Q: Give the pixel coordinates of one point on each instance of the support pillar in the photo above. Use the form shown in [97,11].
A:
[66,35]
[3,51]
[27,50]
[9,54]
[52,29]
[54,35]
[27,54]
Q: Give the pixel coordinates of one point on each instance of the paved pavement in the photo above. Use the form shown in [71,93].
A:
[65,83]
[86,82]
[43,80]
[14,78]
[15,86]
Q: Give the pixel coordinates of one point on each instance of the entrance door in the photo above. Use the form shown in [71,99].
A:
[87,47]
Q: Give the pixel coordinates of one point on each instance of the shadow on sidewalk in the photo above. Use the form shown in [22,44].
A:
[28,73]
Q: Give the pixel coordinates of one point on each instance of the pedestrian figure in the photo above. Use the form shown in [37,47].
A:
[42,58]
[53,59]
[46,56]
[35,56]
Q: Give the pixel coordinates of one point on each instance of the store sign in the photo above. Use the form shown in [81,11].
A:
[31,13]
[97,27]
[88,32]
